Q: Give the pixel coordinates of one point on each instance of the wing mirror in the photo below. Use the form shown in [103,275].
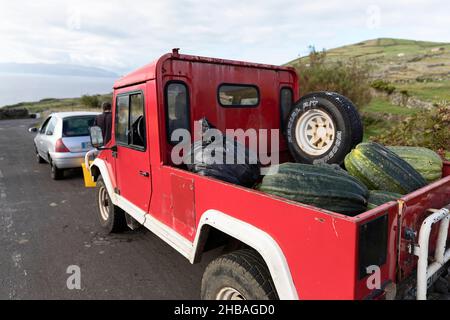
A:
[96,137]
[33,130]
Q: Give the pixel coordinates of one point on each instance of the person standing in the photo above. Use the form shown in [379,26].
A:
[104,121]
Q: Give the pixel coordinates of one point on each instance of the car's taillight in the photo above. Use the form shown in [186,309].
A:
[60,147]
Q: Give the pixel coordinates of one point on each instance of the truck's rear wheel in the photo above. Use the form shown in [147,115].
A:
[111,217]
[323,127]
[240,275]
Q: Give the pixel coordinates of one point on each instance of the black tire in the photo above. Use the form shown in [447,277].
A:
[39,159]
[56,173]
[342,119]
[114,219]
[355,119]
[243,271]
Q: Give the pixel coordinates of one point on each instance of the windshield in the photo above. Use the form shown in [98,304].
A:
[77,126]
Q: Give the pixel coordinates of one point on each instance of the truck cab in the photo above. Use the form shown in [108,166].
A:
[272,248]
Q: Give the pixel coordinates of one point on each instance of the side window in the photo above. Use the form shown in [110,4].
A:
[51,127]
[286,101]
[44,125]
[237,95]
[137,120]
[130,120]
[177,108]
[122,119]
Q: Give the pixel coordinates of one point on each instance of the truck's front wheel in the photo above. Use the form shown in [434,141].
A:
[112,218]
[240,275]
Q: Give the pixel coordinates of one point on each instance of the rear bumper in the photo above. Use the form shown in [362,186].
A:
[67,160]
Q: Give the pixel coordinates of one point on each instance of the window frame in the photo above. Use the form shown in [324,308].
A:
[44,125]
[116,117]
[239,106]
[282,123]
[166,108]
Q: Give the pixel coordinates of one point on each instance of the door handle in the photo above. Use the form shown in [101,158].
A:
[144,174]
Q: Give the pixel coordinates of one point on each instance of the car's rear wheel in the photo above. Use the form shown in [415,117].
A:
[240,275]
[111,217]
[39,159]
[56,173]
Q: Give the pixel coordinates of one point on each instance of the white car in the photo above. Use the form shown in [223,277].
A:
[63,140]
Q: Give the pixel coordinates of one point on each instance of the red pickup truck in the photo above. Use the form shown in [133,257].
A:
[272,248]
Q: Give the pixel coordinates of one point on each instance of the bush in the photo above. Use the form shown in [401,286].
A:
[429,129]
[383,86]
[350,80]
[90,101]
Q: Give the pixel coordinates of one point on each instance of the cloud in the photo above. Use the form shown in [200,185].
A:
[121,35]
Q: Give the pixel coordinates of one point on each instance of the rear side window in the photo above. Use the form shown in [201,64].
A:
[45,125]
[51,127]
[177,108]
[77,126]
[286,102]
[236,95]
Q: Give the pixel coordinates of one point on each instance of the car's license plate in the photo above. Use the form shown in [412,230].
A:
[85,145]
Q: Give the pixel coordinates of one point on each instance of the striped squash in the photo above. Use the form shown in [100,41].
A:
[381,169]
[377,198]
[322,186]
[427,162]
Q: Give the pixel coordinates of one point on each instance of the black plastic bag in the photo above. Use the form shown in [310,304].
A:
[226,160]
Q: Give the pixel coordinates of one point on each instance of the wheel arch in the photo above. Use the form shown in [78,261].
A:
[254,238]
[98,168]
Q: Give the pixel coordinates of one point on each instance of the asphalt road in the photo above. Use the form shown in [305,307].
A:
[47,226]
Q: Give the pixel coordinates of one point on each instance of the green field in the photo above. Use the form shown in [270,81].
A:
[379,115]
[382,106]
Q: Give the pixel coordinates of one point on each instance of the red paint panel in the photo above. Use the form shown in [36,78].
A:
[446,169]
[183,205]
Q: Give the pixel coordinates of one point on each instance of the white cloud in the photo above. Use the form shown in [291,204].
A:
[121,35]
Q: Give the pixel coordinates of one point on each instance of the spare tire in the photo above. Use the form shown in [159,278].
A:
[323,127]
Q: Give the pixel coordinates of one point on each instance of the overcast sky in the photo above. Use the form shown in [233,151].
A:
[122,35]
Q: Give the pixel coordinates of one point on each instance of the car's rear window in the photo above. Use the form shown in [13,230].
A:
[77,126]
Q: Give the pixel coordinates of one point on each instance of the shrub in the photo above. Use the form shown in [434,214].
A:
[90,101]
[349,79]
[383,86]
[429,129]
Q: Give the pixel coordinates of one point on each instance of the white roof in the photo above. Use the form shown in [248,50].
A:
[63,115]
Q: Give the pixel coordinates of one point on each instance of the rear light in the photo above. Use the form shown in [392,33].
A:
[60,147]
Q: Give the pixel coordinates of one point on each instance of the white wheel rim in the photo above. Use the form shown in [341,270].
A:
[315,132]
[103,203]
[229,293]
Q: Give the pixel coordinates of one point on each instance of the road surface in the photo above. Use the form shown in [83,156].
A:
[47,226]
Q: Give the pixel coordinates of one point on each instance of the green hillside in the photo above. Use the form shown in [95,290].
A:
[422,68]
[69,104]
